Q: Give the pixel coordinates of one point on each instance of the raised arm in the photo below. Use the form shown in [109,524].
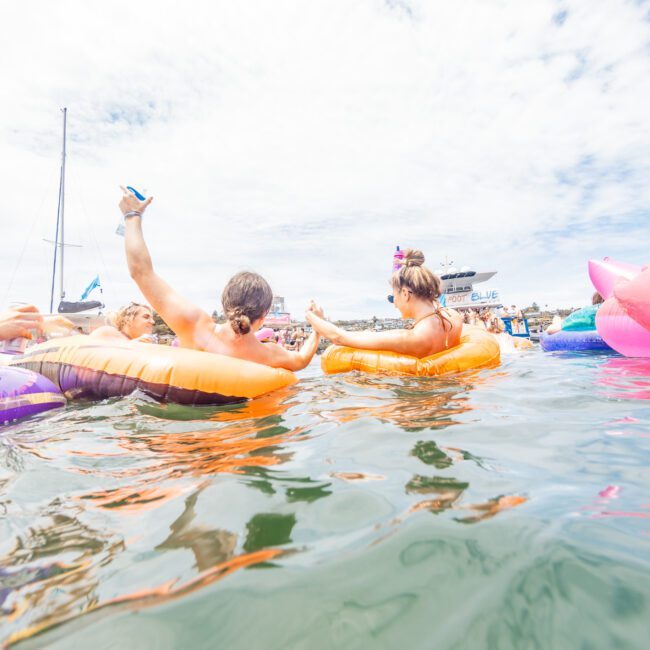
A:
[180,314]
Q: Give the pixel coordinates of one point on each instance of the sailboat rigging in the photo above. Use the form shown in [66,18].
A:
[65,307]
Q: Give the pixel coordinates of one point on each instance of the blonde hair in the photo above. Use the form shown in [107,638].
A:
[246,298]
[125,315]
[419,280]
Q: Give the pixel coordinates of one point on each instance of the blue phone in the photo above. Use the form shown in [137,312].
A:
[137,194]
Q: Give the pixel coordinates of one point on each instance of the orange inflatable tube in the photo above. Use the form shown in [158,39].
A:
[82,366]
[477,349]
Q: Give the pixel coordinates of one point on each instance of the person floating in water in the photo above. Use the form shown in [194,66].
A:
[133,322]
[416,293]
[246,301]
[586,314]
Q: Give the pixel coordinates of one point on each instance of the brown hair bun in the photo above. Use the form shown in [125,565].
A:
[420,281]
[240,323]
[246,298]
[413,257]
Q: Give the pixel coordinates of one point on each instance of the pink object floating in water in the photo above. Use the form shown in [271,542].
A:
[604,274]
[623,321]
[610,492]
[634,296]
[620,332]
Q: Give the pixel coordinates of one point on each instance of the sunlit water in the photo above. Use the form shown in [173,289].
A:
[505,509]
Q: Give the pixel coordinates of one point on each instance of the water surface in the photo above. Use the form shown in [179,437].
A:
[504,509]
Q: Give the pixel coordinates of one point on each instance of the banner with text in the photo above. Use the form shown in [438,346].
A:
[475,299]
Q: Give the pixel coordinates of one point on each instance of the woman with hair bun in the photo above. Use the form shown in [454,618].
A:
[246,301]
[416,291]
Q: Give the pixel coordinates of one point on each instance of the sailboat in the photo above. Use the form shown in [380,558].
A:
[65,306]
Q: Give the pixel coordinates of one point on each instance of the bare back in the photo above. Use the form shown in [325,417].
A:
[221,339]
[437,332]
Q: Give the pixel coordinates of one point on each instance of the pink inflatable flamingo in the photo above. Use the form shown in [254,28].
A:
[623,321]
[620,331]
[634,296]
[604,274]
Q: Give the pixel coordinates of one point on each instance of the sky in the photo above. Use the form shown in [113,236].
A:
[305,140]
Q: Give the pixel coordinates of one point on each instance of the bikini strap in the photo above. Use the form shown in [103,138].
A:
[433,313]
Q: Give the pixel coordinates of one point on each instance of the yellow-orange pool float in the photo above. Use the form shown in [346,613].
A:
[477,349]
[521,343]
[82,366]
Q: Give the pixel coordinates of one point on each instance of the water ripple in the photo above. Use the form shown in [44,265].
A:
[504,508]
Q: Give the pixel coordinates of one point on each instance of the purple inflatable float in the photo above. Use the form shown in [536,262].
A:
[24,393]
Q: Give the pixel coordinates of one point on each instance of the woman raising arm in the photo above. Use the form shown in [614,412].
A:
[246,301]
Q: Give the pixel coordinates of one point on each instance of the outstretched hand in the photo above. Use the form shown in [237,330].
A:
[19,322]
[57,326]
[131,203]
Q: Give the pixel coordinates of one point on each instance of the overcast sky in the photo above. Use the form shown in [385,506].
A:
[304,140]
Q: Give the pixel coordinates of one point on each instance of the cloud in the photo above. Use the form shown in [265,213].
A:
[306,140]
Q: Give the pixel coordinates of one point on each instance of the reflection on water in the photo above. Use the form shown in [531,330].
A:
[413,404]
[209,546]
[625,378]
[53,568]
[125,505]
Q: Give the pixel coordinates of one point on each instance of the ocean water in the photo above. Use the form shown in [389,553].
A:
[508,508]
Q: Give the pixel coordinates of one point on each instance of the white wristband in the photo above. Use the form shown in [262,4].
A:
[132,213]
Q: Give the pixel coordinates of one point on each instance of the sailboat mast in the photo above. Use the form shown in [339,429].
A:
[58,219]
[62,207]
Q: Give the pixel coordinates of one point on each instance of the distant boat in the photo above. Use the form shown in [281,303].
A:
[458,287]
[65,306]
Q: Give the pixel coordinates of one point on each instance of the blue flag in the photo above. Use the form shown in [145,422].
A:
[92,286]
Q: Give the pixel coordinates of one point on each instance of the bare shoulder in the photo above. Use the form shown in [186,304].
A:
[271,353]
[453,317]
[446,330]
[451,313]
[108,332]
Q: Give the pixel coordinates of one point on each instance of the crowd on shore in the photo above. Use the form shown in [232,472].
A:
[492,319]
[290,338]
